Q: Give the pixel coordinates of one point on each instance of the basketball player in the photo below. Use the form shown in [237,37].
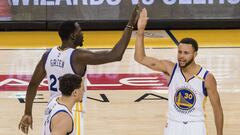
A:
[189,86]
[58,118]
[67,59]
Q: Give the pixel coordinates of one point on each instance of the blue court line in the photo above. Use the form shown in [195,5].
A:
[172,37]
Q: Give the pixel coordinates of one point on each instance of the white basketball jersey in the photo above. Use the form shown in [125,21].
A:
[57,64]
[52,109]
[186,99]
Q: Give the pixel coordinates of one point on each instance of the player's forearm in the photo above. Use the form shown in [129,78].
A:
[31,93]
[219,120]
[139,47]
[119,49]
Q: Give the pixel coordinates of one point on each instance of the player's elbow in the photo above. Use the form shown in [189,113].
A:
[111,57]
[138,58]
[118,58]
[114,58]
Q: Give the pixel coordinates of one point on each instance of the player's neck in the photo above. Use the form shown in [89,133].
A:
[192,68]
[67,101]
[67,44]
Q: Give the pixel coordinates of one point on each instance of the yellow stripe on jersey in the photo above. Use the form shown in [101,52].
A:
[77,119]
[199,77]
[81,109]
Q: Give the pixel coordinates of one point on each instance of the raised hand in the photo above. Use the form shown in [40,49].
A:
[142,21]
[134,16]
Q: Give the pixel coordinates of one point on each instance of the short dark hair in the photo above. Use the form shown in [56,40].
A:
[191,41]
[68,83]
[66,29]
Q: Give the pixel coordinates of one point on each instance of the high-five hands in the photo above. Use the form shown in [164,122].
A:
[134,17]
[142,21]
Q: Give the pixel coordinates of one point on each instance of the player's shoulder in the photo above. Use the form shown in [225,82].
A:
[63,116]
[62,119]
[209,75]
[170,66]
[47,51]
[45,54]
[81,50]
[210,79]
[207,72]
[81,53]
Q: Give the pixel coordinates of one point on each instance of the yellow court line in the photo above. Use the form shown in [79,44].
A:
[92,39]
[211,38]
[107,39]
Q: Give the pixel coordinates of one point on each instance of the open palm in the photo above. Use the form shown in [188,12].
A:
[142,21]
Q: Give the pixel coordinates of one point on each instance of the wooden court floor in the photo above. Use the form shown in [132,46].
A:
[113,110]
[122,115]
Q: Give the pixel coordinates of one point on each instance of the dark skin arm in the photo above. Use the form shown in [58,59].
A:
[82,57]
[38,76]
[85,57]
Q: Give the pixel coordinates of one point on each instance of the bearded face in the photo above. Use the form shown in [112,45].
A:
[186,55]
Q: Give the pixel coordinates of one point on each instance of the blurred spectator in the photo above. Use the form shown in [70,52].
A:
[5,10]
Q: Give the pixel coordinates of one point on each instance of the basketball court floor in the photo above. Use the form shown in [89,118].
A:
[124,98]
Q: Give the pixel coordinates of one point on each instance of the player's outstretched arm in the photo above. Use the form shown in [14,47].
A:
[102,57]
[140,56]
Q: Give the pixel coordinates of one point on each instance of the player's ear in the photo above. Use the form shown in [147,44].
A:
[75,93]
